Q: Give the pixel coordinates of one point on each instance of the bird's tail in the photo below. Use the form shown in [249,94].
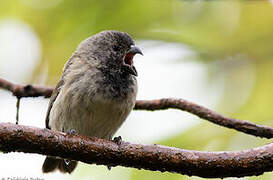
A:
[63,165]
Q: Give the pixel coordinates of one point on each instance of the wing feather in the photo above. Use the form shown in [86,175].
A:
[56,91]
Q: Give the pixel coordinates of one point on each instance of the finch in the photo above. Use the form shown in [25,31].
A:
[96,92]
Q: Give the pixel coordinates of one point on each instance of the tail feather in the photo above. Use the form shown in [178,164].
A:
[50,164]
[64,166]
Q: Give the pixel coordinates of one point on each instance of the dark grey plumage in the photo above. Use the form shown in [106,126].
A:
[96,92]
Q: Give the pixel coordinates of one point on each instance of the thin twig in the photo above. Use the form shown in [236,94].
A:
[150,157]
[17,109]
[160,104]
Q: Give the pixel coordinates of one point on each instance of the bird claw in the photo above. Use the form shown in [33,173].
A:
[117,140]
[71,132]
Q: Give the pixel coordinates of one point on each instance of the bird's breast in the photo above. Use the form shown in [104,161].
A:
[90,111]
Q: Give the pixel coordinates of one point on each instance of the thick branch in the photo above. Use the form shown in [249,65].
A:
[200,111]
[151,157]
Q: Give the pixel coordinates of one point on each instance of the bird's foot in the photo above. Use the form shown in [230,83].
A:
[117,140]
[71,132]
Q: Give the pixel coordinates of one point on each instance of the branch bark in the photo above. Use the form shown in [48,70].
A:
[204,113]
[27,90]
[150,157]
[160,104]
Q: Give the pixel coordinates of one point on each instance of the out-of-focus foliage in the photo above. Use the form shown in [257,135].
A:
[233,38]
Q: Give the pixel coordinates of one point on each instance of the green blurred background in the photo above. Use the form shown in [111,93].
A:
[231,41]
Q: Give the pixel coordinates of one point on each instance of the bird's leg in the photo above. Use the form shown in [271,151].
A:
[71,132]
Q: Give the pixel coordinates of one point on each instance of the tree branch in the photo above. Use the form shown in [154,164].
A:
[204,113]
[150,157]
[160,104]
[27,90]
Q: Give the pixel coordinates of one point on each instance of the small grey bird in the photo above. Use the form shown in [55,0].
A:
[96,92]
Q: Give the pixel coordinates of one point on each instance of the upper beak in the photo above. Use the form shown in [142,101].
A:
[135,50]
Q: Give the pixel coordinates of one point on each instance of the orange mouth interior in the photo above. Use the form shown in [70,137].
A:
[128,59]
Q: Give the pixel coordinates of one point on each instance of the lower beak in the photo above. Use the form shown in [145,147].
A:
[130,69]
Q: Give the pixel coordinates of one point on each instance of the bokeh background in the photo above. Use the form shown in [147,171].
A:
[215,53]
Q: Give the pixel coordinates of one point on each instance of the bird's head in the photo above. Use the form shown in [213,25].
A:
[112,49]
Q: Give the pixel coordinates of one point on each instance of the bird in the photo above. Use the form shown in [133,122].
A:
[96,92]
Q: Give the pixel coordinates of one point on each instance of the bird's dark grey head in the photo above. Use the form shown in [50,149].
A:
[111,49]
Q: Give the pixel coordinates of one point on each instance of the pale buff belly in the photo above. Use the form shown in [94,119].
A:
[95,117]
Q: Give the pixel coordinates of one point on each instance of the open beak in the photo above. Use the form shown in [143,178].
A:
[128,64]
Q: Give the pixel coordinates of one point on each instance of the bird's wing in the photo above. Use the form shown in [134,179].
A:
[52,100]
[56,91]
